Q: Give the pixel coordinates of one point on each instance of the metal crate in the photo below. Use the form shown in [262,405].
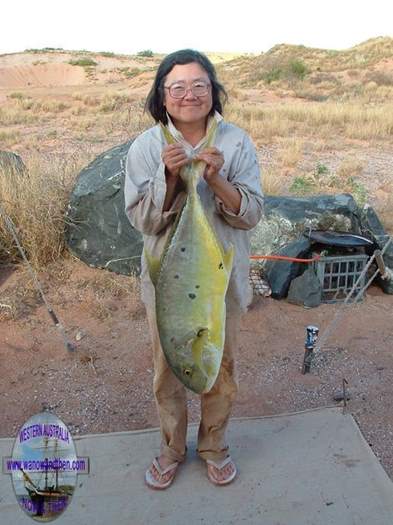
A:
[337,275]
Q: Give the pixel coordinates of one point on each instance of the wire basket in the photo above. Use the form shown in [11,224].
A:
[338,274]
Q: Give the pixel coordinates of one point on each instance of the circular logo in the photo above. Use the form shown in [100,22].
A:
[44,467]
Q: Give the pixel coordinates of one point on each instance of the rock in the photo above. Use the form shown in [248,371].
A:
[287,218]
[373,228]
[98,230]
[11,163]
[280,273]
[339,396]
[306,289]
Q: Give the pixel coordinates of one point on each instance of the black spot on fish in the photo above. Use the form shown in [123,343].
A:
[220,266]
[172,339]
[182,249]
[176,276]
[197,286]
[191,295]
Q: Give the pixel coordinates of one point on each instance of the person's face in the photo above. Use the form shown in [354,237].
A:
[190,108]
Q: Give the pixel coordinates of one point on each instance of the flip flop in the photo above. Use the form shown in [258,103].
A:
[220,466]
[160,484]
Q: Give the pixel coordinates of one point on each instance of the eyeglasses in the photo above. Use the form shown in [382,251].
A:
[199,88]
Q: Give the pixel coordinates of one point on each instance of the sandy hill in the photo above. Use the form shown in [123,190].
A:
[51,68]
[322,72]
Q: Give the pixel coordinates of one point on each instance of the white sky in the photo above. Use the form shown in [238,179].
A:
[206,25]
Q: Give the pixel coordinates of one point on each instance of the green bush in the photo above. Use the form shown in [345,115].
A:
[145,53]
[17,95]
[273,75]
[302,185]
[84,62]
[297,68]
[130,73]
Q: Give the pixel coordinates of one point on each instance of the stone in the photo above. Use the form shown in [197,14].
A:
[306,290]
[97,229]
[279,274]
[287,218]
[12,163]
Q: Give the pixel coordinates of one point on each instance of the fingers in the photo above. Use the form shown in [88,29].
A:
[214,162]
[174,158]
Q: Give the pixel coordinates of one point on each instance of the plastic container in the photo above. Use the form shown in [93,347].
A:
[337,275]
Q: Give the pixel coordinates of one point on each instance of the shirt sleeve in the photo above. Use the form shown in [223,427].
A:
[246,178]
[145,190]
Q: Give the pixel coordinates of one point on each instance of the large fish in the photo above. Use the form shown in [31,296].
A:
[191,280]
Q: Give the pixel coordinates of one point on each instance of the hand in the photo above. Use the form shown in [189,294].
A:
[214,162]
[174,158]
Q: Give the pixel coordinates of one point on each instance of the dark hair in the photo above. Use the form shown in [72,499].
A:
[155,99]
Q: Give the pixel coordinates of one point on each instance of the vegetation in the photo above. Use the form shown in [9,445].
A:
[145,53]
[313,115]
[84,62]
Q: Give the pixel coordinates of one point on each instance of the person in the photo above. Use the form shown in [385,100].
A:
[186,96]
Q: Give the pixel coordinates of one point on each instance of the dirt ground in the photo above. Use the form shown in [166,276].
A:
[105,385]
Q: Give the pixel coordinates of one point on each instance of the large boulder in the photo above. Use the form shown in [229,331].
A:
[97,229]
[287,218]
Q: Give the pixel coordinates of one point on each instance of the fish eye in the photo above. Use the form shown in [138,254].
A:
[187,372]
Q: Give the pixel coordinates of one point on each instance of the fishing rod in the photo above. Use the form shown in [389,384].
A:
[12,229]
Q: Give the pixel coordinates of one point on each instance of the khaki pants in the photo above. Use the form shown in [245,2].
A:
[171,399]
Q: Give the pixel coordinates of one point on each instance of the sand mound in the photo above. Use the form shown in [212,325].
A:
[51,74]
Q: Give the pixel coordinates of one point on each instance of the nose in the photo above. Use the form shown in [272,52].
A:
[189,94]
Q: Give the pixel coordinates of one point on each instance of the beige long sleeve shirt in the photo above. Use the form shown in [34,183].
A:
[145,189]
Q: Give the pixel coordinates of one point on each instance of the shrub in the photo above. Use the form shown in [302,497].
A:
[273,75]
[17,95]
[145,53]
[297,68]
[84,62]
[302,185]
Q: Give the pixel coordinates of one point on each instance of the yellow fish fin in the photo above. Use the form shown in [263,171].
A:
[167,134]
[228,258]
[153,265]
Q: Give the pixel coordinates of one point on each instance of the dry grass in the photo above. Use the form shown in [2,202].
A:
[385,211]
[273,181]
[291,151]
[358,107]
[351,121]
[35,203]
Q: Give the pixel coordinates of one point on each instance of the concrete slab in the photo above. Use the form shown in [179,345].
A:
[306,468]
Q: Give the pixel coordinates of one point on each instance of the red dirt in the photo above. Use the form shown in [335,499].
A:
[106,383]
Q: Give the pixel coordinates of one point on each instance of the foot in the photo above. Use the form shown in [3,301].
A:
[161,473]
[221,473]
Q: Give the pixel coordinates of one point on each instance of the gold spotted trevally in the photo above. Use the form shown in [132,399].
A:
[191,280]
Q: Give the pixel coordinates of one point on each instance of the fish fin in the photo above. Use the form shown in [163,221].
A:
[211,134]
[167,134]
[228,258]
[153,265]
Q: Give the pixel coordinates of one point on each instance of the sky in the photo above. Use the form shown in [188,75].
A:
[163,26]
